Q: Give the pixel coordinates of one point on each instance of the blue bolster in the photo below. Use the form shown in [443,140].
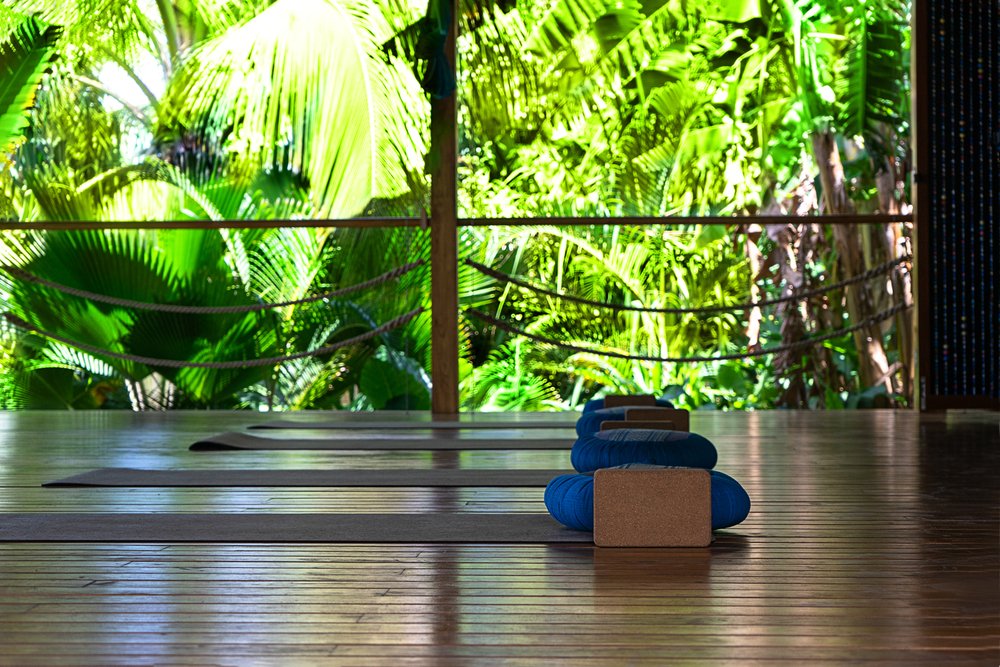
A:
[607,449]
[570,500]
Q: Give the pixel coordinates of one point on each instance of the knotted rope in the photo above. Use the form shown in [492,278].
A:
[219,365]
[800,296]
[210,310]
[805,342]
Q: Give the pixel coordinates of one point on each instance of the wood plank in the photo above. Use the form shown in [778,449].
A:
[874,538]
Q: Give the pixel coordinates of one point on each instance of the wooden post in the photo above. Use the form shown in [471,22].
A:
[444,247]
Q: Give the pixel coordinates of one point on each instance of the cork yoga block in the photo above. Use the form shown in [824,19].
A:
[627,401]
[590,422]
[661,507]
[645,505]
[662,419]
[681,419]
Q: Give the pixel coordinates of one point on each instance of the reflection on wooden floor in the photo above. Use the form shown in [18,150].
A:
[874,537]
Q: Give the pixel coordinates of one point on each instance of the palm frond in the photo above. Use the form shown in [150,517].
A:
[507,381]
[871,85]
[69,357]
[248,337]
[282,88]
[24,58]
[285,263]
[499,82]
[10,23]
[555,31]
[218,16]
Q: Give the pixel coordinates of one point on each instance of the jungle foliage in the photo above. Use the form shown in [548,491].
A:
[667,108]
[134,110]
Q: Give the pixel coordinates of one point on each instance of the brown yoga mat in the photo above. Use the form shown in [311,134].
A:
[285,528]
[235,440]
[451,477]
[362,425]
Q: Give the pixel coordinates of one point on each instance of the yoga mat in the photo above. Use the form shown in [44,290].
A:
[235,440]
[284,528]
[401,425]
[131,477]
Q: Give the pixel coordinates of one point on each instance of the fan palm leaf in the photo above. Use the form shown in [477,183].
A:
[183,266]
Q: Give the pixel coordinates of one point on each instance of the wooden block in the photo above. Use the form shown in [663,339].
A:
[653,425]
[666,507]
[619,401]
[680,418]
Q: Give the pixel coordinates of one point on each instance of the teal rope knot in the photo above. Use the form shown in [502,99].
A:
[437,78]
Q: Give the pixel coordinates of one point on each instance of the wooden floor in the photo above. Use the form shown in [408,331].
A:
[874,537]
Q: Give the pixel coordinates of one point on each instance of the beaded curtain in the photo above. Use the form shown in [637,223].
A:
[964,179]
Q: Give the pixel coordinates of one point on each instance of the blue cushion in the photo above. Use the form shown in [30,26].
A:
[598,404]
[570,500]
[606,449]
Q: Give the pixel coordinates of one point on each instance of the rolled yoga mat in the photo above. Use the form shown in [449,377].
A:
[412,426]
[451,477]
[288,528]
[224,441]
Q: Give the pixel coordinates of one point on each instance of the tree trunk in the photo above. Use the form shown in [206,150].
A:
[753,254]
[793,328]
[897,245]
[872,362]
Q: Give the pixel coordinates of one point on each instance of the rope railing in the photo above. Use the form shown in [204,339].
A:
[218,365]
[798,296]
[393,274]
[805,342]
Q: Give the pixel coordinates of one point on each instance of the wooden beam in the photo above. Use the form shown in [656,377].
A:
[63,226]
[632,221]
[444,247]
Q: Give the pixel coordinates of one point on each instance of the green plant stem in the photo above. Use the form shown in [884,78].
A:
[97,85]
[153,101]
[169,18]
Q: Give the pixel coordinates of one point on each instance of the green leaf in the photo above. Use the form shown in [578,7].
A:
[41,389]
[304,87]
[710,234]
[733,11]
[871,77]
[389,387]
[23,62]
[565,20]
